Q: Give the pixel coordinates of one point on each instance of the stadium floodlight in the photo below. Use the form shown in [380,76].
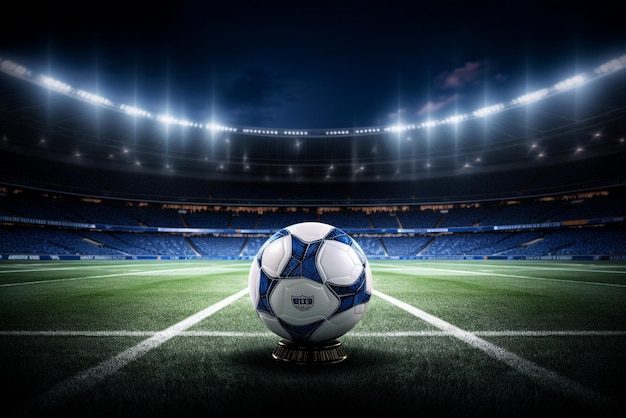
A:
[291,133]
[55,84]
[259,131]
[395,128]
[338,132]
[219,128]
[488,110]
[165,119]
[570,83]
[531,97]
[400,128]
[612,66]
[15,69]
[94,98]
[365,131]
[135,111]
[455,119]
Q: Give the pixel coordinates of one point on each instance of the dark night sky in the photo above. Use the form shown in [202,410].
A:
[312,64]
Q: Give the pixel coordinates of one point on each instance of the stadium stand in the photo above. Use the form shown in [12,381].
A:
[44,224]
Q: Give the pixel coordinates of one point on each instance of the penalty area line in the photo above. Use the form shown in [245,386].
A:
[84,380]
[545,377]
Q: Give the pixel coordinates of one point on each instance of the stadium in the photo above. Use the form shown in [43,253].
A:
[497,242]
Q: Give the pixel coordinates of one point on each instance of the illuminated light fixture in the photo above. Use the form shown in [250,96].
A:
[259,131]
[173,121]
[14,68]
[455,119]
[400,128]
[488,110]
[220,128]
[93,98]
[531,97]
[611,66]
[56,84]
[367,130]
[135,111]
[166,119]
[570,83]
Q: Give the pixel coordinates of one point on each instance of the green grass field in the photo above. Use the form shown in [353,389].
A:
[440,338]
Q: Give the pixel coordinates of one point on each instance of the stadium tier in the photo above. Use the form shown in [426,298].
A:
[42,225]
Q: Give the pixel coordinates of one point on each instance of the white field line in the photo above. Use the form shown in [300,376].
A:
[413,269]
[543,376]
[30,268]
[508,265]
[110,266]
[357,334]
[205,270]
[72,386]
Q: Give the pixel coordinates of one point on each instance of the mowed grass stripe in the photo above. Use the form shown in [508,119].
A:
[607,266]
[480,273]
[359,334]
[86,379]
[543,376]
[202,270]
[26,268]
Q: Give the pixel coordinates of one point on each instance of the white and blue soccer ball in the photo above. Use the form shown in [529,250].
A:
[310,283]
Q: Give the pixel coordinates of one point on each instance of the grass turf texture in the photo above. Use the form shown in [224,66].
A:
[60,319]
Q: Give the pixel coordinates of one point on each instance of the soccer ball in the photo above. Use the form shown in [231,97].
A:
[310,283]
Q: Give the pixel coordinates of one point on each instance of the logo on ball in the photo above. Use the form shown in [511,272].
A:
[310,283]
[302,303]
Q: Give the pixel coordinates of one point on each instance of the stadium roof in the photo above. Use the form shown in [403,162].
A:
[580,122]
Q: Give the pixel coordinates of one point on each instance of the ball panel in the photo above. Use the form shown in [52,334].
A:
[303,260]
[339,264]
[368,278]
[302,333]
[338,325]
[273,324]
[276,255]
[310,231]
[253,282]
[266,284]
[300,301]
